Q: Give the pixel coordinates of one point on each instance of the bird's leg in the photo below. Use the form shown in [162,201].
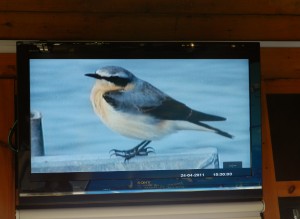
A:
[140,150]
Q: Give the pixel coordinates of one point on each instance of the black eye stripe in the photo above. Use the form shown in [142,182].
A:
[117,80]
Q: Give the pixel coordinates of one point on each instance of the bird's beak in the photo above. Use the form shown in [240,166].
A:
[93,75]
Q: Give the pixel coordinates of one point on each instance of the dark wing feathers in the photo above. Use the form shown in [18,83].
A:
[171,109]
[156,104]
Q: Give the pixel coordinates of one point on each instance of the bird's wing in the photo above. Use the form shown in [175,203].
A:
[151,101]
[171,109]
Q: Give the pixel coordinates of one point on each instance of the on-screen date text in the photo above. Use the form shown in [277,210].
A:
[190,175]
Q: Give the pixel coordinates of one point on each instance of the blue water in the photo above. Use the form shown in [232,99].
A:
[60,91]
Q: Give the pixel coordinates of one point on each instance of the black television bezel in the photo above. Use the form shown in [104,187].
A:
[27,50]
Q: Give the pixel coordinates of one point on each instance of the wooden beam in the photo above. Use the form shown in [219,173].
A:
[280,63]
[175,7]
[269,182]
[7,65]
[7,181]
[282,86]
[288,188]
[150,20]
[86,26]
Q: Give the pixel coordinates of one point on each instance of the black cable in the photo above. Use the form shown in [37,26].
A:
[10,135]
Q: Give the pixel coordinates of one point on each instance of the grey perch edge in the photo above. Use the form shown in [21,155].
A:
[202,158]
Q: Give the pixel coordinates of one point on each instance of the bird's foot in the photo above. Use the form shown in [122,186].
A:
[139,150]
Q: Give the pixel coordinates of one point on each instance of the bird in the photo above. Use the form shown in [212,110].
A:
[136,109]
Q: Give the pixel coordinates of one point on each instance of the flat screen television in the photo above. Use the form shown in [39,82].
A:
[129,123]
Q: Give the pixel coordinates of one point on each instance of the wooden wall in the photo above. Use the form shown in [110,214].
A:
[231,20]
[7,188]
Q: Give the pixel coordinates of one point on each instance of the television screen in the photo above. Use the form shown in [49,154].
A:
[139,118]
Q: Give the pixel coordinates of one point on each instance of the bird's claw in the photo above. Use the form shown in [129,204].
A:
[139,150]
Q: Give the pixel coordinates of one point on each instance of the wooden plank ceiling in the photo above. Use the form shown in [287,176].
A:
[150,19]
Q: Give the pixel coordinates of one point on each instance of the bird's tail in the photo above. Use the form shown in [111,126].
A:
[217,131]
[225,134]
[199,116]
